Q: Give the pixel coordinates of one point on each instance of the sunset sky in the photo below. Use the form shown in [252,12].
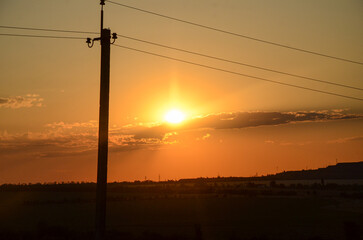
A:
[233,125]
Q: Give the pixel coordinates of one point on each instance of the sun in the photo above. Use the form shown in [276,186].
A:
[174,116]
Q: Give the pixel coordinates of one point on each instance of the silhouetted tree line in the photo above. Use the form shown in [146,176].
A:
[54,187]
[196,186]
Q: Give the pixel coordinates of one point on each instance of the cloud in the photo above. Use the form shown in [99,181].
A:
[356,139]
[27,101]
[70,139]
[239,120]
[206,136]
[57,139]
[255,119]
[47,144]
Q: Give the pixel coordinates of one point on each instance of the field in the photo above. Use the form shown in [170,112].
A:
[192,210]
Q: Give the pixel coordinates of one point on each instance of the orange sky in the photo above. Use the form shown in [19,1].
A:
[235,126]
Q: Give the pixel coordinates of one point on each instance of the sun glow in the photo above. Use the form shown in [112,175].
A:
[174,116]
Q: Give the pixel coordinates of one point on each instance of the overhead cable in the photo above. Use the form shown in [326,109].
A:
[236,34]
[237,73]
[240,63]
[183,50]
[39,36]
[47,29]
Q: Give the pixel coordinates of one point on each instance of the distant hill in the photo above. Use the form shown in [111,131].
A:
[352,170]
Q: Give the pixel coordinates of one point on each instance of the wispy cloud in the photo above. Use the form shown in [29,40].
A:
[357,139]
[68,139]
[27,101]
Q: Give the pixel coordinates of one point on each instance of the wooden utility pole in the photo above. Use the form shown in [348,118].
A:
[101,192]
[103,135]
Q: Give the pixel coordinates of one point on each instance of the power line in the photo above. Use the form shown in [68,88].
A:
[237,73]
[206,66]
[38,36]
[190,52]
[47,29]
[236,34]
[240,63]
[182,50]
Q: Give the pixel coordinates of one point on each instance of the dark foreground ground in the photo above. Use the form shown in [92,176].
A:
[191,210]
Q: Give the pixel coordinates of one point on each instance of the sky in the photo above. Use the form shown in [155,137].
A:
[234,125]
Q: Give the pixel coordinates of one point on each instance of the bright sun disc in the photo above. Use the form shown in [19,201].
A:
[174,116]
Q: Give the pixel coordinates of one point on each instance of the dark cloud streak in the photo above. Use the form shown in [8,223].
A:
[238,120]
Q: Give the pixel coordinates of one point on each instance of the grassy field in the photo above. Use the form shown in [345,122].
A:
[170,212]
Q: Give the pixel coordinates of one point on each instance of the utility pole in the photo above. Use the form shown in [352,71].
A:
[101,191]
[103,135]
